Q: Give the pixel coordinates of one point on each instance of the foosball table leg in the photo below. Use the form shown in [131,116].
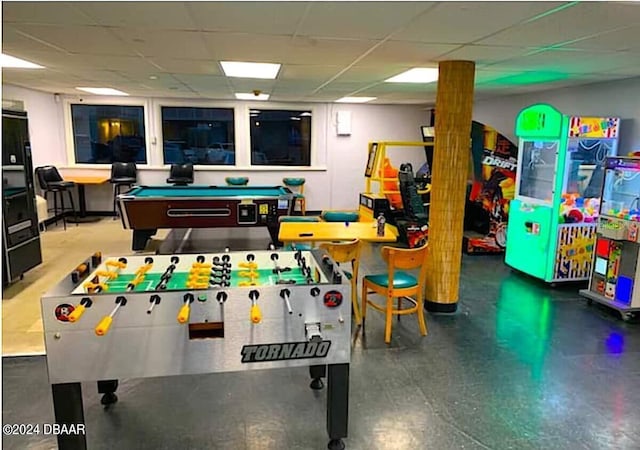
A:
[68,410]
[337,405]
[108,390]
[317,373]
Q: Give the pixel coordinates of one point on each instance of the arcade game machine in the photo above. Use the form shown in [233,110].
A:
[552,220]
[382,192]
[492,187]
[617,249]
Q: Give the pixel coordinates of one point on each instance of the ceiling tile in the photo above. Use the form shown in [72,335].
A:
[250,85]
[60,13]
[255,17]
[407,88]
[364,42]
[483,54]
[93,40]
[202,80]
[566,61]
[165,43]
[123,64]
[583,19]
[409,54]
[465,22]
[624,39]
[158,14]
[283,49]
[13,41]
[296,87]
[186,66]
[310,73]
[363,73]
[360,20]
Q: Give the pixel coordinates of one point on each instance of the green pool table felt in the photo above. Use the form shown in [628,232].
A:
[207,191]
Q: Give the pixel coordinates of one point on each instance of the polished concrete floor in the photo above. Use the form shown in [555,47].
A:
[519,366]
[62,251]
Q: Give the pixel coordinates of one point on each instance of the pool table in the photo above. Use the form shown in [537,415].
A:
[145,209]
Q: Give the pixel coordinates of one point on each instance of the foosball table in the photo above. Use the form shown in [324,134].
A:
[150,316]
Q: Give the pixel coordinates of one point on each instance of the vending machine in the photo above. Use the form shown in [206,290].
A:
[617,250]
[552,219]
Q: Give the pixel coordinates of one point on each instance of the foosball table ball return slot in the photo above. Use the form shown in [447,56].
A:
[206,330]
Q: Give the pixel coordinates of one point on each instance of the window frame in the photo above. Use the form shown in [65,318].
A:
[279,107]
[106,101]
[319,126]
[193,103]
[154,151]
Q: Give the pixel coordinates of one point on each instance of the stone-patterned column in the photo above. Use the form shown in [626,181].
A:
[454,104]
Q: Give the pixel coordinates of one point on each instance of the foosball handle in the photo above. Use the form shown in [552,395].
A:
[103,326]
[77,313]
[256,314]
[183,315]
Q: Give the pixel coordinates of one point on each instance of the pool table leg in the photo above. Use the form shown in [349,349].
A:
[273,233]
[140,238]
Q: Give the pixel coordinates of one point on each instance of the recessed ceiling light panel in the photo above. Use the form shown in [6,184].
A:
[240,69]
[355,99]
[101,91]
[251,96]
[11,62]
[416,75]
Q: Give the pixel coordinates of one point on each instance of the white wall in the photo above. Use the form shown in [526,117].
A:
[609,99]
[348,154]
[335,183]
[45,124]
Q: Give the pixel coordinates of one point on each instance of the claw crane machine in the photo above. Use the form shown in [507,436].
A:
[552,219]
[616,269]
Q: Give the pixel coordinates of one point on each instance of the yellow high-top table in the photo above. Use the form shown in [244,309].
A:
[334,231]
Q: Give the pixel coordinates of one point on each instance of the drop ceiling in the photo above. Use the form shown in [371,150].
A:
[328,49]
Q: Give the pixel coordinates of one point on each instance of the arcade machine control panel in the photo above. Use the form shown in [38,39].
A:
[161,315]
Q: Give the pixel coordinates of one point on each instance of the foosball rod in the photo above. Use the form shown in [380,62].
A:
[168,273]
[285,293]
[154,300]
[103,326]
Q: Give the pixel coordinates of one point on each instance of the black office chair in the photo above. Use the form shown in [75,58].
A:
[50,180]
[181,174]
[122,174]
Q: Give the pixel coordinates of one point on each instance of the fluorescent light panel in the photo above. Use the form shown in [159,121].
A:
[251,96]
[101,91]
[11,62]
[416,75]
[355,99]
[250,69]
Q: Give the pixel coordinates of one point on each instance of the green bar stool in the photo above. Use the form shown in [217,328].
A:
[297,187]
[237,181]
[340,216]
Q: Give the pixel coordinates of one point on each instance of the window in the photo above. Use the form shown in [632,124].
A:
[103,134]
[198,135]
[280,137]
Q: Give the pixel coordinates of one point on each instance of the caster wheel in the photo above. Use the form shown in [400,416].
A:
[627,316]
[336,444]
[109,399]
[316,384]
[589,302]
[22,277]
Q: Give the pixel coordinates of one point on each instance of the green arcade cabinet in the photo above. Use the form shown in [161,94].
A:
[552,219]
